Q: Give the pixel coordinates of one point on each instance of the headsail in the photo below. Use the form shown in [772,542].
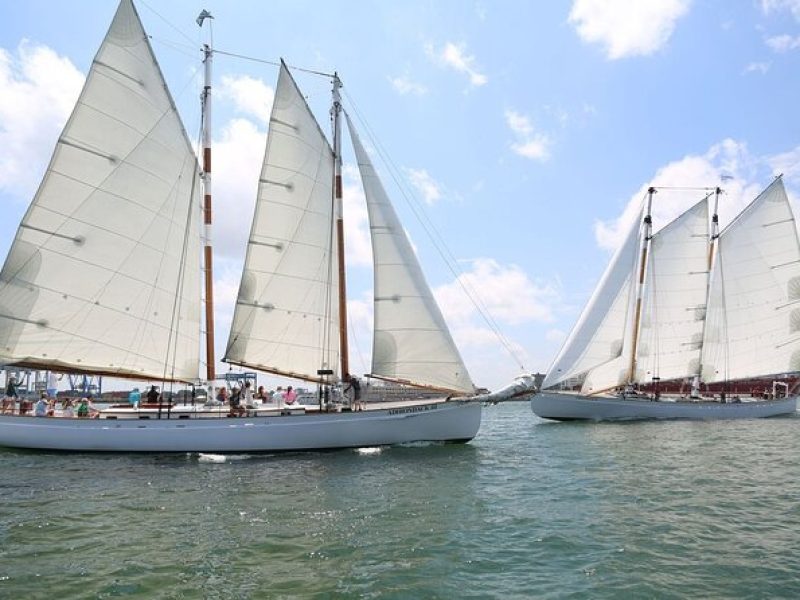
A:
[754,303]
[676,285]
[103,275]
[286,317]
[412,343]
[600,335]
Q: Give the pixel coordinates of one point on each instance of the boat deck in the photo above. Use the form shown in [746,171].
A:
[201,411]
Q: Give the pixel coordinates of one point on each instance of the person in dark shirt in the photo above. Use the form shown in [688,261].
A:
[11,395]
[152,395]
[355,385]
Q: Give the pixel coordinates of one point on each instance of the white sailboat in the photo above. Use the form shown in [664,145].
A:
[104,276]
[687,304]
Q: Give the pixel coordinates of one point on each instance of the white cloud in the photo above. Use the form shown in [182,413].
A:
[403,85]
[627,28]
[358,246]
[237,158]
[40,89]
[250,96]
[518,123]
[425,184]
[745,176]
[517,304]
[455,57]
[555,336]
[506,291]
[783,43]
[770,6]
[530,144]
[787,163]
[757,67]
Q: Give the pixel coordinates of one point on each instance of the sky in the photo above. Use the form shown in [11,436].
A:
[524,133]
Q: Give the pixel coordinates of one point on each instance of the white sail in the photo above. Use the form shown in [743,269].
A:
[411,342]
[753,325]
[104,275]
[673,312]
[600,334]
[286,318]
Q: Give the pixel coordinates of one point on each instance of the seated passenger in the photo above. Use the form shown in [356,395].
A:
[68,411]
[83,409]
[41,407]
[290,397]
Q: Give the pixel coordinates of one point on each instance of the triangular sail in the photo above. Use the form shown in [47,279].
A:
[103,275]
[411,343]
[753,321]
[600,334]
[676,285]
[286,316]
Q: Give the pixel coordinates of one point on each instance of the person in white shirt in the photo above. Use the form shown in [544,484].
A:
[247,393]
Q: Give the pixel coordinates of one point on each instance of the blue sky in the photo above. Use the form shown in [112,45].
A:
[526,130]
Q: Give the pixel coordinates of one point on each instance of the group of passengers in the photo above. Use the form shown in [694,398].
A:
[242,399]
[46,405]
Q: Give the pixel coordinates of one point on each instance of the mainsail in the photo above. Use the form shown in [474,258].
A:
[754,303]
[286,316]
[676,286]
[599,337]
[103,275]
[411,343]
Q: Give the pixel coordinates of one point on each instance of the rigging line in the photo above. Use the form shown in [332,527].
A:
[686,189]
[271,62]
[177,304]
[436,238]
[354,339]
[438,241]
[180,48]
[167,21]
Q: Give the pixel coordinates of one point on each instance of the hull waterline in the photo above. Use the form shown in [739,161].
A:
[572,407]
[451,421]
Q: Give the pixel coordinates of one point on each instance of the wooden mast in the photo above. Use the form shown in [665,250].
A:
[695,393]
[338,212]
[208,256]
[648,228]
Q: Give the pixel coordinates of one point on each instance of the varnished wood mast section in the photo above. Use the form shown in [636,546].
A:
[208,257]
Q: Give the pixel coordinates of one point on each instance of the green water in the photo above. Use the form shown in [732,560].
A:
[528,509]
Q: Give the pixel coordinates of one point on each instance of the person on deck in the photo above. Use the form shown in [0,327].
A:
[261,395]
[290,397]
[83,409]
[135,397]
[68,410]
[41,407]
[247,396]
[11,396]
[355,386]
[152,395]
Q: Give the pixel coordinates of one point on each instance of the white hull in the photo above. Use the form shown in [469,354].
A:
[453,421]
[568,407]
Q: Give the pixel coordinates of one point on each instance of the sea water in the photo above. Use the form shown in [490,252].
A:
[529,509]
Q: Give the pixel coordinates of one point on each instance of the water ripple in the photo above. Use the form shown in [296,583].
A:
[529,509]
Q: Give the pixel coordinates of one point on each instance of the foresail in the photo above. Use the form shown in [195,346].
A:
[753,326]
[411,342]
[676,285]
[600,334]
[286,316]
[103,275]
